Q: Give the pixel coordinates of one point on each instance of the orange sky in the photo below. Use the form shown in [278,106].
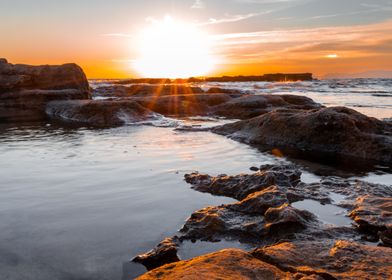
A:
[251,37]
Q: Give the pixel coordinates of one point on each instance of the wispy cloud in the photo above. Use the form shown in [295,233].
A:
[235,18]
[199,4]
[118,35]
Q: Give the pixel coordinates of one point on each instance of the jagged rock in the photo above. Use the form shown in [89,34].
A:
[101,113]
[329,259]
[164,253]
[240,186]
[249,106]
[259,202]
[337,131]
[228,264]
[374,214]
[287,219]
[25,90]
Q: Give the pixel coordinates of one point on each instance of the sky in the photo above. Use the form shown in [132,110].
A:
[249,37]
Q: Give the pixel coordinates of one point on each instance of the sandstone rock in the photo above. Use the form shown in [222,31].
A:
[101,113]
[336,131]
[330,259]
[374,214]
[240,186]
[183,105]
[226,264]
[249,106]
[164,253]
[16,77]
[25,90]
[146,90]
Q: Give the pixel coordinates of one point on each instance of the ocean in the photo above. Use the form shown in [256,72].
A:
[79,203]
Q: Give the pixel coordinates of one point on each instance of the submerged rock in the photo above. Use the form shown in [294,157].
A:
[164,253]
[337,131]
[329,259]
[25,90]
[225,264]
[249,106]
[101,113]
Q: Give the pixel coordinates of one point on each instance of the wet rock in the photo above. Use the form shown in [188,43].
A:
[183,105]
[145,90]
[25,90]
[287,219]
[259,202]
[254,168]
[100,113]
[329,259]
[337,131]
[164,253]
[240,186]
[224,264]
[223,90]
[249,106]
[374,215]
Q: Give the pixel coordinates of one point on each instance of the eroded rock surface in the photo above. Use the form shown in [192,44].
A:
[25,90]
[164,253]
[249,106]
[226,264]
[100,113]
[330,259]
[338,131]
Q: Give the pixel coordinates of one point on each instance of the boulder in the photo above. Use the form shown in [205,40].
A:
[329,259]
[99,113]
[249,106]
[227,264]
[25,90]
[337,131]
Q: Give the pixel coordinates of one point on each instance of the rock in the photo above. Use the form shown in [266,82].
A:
[240,186]
[225,264]
[223,90]
[25,90]
[164,253]
[374,215]
[249,106]
[16,77]
[100,113]
[183,105]
[287,219]
[259,202]
[146,90]
[336,131]
[329,259]
[253,168]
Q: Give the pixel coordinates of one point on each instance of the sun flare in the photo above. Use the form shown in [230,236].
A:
[173,49]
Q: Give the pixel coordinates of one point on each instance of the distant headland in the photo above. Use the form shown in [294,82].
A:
[277,77]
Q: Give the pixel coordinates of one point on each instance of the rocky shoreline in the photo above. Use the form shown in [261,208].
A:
[289,243]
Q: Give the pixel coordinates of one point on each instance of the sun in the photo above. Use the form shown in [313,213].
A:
[173,49]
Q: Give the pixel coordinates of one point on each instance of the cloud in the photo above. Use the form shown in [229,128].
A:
[118,35]
[199,4]
[235,18]
[309,43]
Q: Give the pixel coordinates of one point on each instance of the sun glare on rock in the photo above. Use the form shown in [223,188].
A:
[172,49]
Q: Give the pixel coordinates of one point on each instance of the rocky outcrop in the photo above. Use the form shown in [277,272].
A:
[336,131]
[226,264]
[99,113]
[249,106]
[330,260]
[183,105]
[145,90]
[25,90]
[164,253]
